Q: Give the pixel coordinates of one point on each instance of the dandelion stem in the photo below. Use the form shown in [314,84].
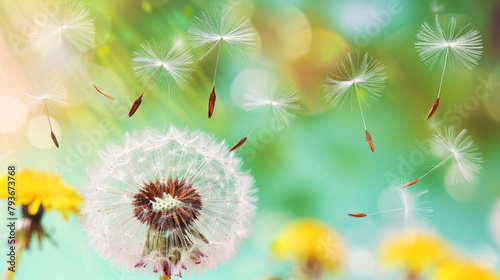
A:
[360,108]
[77,59]
[441,163]
[261,118]
[146,89]
[217,61]
[442,75]
[385,211]
[100,90]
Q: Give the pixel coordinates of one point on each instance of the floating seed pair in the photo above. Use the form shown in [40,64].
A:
[70,25]
[460,149]
[215,29]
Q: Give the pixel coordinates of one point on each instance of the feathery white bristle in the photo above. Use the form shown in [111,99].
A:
[226,191]
[444,43]
[466,160]
[365,73]
[71,24]
[167,64]
[280,101]
[48,95]
[223,25]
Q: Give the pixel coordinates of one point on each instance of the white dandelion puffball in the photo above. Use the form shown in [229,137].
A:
[359,75]
[162,65]
[167,201]
[447,44]
[48,96]
[225,26]
[271,97]
[70,24]
[461,149]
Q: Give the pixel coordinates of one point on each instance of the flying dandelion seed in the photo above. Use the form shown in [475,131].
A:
[443,46]
[276,103]
[361,77]
[412,210]
[49,97]
[161,65]
[461,150]
[222,27]
[71,25]
[168,201]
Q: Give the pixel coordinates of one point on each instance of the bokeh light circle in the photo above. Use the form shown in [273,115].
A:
[361,262]
[13,114]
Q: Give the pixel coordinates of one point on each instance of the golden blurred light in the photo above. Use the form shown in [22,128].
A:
[13,114]
[288,41]
[312,245]
[38,132]
[146,6]
[310,71]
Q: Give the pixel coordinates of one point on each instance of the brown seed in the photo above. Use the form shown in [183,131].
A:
[237,145]
[211,103]
[54,139]
[369,141]
[101,91]
[433,109]
[357,215]
[412,182]
[135,106]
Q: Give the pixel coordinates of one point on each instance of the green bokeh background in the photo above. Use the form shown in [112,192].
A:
[320,166]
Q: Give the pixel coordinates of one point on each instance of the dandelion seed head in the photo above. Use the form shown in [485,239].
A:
[225,26]
[166,201]
[71,24]
[48,95]
[466,161]
[167,64]
[362,73]
[270,97]
[447,44]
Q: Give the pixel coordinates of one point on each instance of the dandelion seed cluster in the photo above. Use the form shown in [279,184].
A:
[447,44]
[363,72]
[162,64]
[223,25]
[281,101]
[71,24]
[466,161]
[167,201]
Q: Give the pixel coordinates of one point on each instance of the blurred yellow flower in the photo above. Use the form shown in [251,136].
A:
[34,189]
[312,245]
[462,270]
[415,254]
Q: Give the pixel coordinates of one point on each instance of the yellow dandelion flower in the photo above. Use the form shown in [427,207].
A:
[35,189]
[312,245]
[415,255]
[463,270]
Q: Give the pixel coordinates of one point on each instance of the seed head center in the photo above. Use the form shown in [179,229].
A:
[165,204]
